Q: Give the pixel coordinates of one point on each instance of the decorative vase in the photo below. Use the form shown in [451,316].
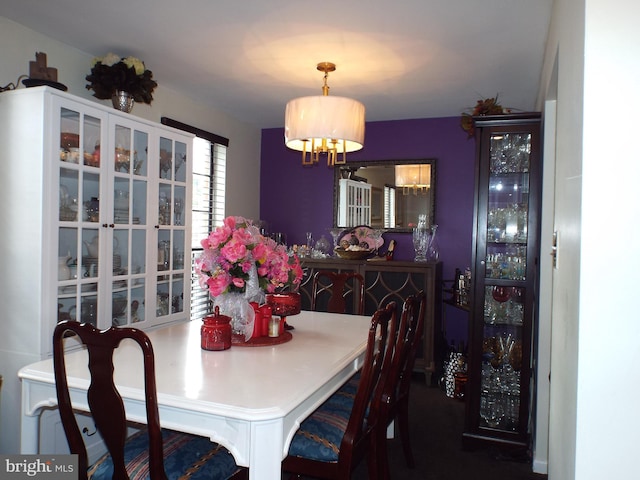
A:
[122,101]
[433,251]
[421,239]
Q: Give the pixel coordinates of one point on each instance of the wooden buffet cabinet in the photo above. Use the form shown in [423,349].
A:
[387,281]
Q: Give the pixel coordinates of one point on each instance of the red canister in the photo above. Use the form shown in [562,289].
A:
[257,320]
[265,311]
[215,333]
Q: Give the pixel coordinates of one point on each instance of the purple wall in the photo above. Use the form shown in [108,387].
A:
[296,199]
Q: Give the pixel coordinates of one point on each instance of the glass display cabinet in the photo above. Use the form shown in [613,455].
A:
[505,265]
[96,210]
[108,196]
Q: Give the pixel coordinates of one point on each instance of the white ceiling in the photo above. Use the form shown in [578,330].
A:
[403,59]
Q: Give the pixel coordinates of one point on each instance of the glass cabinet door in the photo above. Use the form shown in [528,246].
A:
[102,215]
[171,227]
[129,230]
[79,214]
[505,271]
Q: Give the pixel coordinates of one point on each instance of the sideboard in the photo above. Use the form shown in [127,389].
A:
[387,281]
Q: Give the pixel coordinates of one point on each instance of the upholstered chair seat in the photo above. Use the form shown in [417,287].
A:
[183,454]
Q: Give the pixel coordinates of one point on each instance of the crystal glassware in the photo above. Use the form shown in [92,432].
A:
[421,239]
[335,234]
[178,207]
[433,251]
[283,305]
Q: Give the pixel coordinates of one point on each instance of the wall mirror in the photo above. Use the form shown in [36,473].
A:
[386,194]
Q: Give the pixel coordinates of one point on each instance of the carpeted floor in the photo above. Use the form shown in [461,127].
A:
[437,425]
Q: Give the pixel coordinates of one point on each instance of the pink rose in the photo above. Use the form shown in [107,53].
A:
[230,223]
[234,251]
[218,284]
[260,252]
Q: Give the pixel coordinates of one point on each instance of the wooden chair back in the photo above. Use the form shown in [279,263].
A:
[395,394]
[105,403]
[339,286]
[416,313]
[359,435]
[375,371]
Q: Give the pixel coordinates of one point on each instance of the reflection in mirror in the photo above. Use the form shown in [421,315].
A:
[387,194]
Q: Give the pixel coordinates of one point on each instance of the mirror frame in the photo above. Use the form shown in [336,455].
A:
[337,175]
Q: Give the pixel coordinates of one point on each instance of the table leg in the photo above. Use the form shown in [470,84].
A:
[29,430]
[266,450]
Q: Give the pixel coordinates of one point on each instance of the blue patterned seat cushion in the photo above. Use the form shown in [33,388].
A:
[350,388]
[185,457]
[320,435]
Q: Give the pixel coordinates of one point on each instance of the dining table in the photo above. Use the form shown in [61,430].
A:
[250,399]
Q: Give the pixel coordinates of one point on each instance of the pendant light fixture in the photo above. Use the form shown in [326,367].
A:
[415,179]
[322,124]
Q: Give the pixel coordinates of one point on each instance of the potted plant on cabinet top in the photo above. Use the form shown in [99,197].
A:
[116,77]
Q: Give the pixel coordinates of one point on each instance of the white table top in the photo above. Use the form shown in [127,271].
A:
[244,397]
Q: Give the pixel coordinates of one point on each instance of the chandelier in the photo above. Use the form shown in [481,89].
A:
[324,125]
[415,179]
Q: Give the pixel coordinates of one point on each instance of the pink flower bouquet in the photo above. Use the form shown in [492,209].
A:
[232,251]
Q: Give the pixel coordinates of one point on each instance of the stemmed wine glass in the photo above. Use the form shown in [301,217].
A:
[376,235]
[335,233]
[165,163]
[178,207]
[180,159]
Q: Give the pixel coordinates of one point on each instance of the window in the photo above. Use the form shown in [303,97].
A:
[389,207]
[208,208]
[209,173]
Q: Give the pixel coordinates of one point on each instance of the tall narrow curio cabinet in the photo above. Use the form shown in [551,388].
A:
[505,275]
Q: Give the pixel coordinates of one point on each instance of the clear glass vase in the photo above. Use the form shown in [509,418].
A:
[433,251]
[421,236]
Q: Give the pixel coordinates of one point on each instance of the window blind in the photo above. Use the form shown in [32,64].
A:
[209,175]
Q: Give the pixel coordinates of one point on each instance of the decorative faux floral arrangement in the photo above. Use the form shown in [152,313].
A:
[233,249]
[488,106]
[112,73]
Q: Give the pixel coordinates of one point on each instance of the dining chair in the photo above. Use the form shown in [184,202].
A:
[333,440]
[395,398]
[338,285]
[152,452]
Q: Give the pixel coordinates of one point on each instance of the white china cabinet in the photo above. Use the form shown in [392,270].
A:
[354,206]
[96,212]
